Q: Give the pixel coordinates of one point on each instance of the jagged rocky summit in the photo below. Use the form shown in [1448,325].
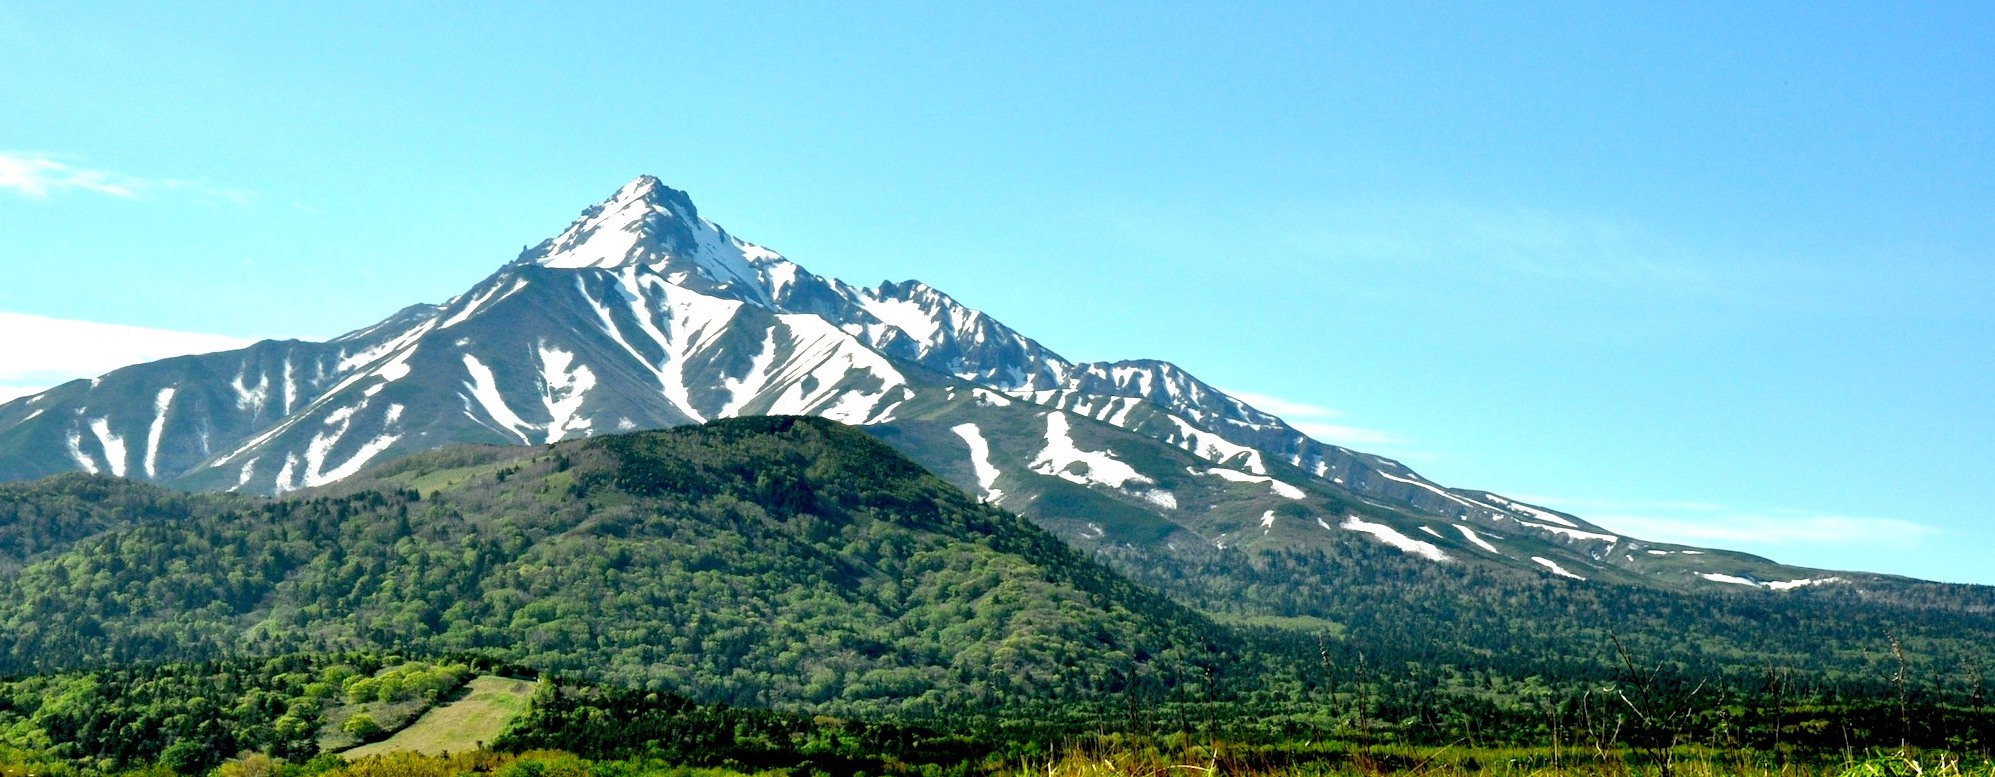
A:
[643,314]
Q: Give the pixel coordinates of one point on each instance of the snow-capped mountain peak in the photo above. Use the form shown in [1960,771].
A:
[651,225]
[642,314]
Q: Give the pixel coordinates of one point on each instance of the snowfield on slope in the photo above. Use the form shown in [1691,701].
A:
[1391,536]
[1554,567]
[980,460]
[1281,489]
[1061,455]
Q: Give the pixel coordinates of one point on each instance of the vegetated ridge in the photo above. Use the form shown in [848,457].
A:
[765,561]
[643,314]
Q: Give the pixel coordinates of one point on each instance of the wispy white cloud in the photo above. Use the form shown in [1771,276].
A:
[1343,434]
[11,393]
[1503,245]
[1287,409]
[1317,421]
[41,175]
[37,352]
[1703,523]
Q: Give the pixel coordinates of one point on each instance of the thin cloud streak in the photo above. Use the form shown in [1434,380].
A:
[37,352]
[1503,244]
[1316,421]
[11,393]
[42,175]
[1701,523]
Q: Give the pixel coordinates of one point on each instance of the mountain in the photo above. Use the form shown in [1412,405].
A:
[776,560]
[643,314]
[798,562]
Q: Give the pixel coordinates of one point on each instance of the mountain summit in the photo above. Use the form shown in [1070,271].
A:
[642,314]
[648,224]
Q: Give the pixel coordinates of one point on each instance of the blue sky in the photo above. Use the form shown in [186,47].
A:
[1719,275]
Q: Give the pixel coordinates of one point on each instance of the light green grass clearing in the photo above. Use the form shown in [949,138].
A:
[460,726]
[429,484]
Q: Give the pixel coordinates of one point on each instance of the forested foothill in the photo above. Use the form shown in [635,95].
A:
[789,594]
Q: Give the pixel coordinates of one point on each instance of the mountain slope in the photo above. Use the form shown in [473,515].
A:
[642,314]
[795,561]
[763,560]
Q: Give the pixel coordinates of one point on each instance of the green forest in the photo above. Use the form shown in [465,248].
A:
[788,594]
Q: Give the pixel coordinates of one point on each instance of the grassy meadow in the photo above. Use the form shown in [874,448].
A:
[488,706]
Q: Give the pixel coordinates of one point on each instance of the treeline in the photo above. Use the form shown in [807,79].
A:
[798,565]
[781,562]
[190,717]
[1844,640]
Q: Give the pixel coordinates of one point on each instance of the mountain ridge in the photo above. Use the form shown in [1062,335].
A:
[759,560]
[643,314]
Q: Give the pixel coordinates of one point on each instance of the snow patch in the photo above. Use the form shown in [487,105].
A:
[1554,566]
[695,321]
[1280,488]
[1573,533]
[251,398]
[396,368]
[1061,454]
[371,355]
[290,387]
[741,392]
[1542,515]
[367,452]
[287,477]
[485,389]
[479,302]
[322,444]
[1787,585]
[1391,536]
[906,316]
[1470,535]
[990,398]
[157,431]
[1214,448]
[1718,578]
[342,415]
[824,355]
[75,441]
[564,385]
[114,446]
[1444,493]
[980,460]
[1121,417]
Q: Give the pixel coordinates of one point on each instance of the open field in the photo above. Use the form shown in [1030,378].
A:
[460,726]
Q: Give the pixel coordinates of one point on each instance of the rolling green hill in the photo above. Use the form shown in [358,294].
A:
[799,562]
[768,560]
